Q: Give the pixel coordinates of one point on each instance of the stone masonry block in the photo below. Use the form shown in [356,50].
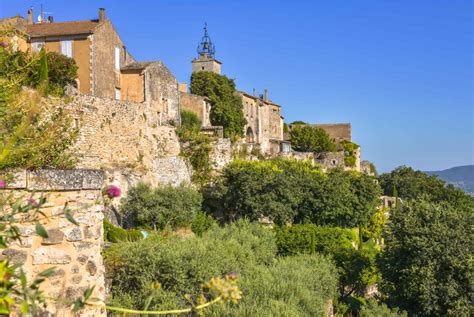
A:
[50,255]
[55,236]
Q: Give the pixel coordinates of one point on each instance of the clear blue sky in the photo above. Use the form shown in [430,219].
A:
[399,71]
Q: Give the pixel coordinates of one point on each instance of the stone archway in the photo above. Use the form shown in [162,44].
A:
[249,135]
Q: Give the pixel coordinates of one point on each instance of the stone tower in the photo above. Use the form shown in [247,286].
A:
[206,52]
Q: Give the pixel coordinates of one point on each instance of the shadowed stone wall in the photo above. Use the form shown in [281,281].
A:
[75,251]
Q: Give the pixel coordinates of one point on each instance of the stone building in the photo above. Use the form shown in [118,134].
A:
[264,122]
[264,128]
[199,105]
[105,67]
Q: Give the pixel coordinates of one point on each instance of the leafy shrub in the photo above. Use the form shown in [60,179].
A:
[34,131]
[227,109]
[427,263]
[117,234]
[34,69]
[411,184]
[291,191]
[349,152]
[202,222]
[197,152]
[357,268]
[299,286]
[179,266]
[309,239]
[374,309]
[161,207]
[190,125]
[309,139]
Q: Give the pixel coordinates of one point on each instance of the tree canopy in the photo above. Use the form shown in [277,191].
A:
[310,139]
[227,109]
[293,191]
[410,184]
[427,264]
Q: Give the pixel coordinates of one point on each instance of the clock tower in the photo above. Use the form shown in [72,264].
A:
[205,60]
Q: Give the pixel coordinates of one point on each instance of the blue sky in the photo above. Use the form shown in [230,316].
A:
[399,71]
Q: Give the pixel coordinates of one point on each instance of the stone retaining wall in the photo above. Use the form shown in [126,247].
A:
[75,251]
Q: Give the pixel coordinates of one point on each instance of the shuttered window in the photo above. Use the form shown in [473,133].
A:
[66,48]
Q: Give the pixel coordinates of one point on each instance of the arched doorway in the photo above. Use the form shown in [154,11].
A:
[249,135]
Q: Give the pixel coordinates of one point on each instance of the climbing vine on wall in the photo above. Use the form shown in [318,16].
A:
[227,109]
[350,149]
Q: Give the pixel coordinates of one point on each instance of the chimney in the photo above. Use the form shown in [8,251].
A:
[101,14]
[30,16]
[265,95]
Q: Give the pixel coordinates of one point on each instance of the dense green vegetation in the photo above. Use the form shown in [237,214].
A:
[34,131]
[161,207]
[410,184]
[292,192]
[173,269]
[305,138]
[427,263]
[227,110]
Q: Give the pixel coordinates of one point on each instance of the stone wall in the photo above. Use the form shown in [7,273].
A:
[199,105]
[161,91]
[330,160]
[366,167]
[221,153]
[75,251]
[338,131]
[126,140]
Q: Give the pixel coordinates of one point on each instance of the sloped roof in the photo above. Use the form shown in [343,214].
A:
[137,65]
[62,28]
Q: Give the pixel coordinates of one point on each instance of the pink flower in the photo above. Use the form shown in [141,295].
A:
[33,202]
[113,191]
[3,44]
[3,184]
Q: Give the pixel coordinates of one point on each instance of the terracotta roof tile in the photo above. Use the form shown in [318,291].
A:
[62,28]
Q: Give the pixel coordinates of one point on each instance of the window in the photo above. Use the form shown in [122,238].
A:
[117,58]
[117,93]
[202,67]
[66,48]
[36,46]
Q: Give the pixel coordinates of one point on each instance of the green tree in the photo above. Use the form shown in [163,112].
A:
[340,198]
[427,264]
[374,309]
[227,109]
[410,184]
[310,139]
[160,207]
[291,191]
[43,67]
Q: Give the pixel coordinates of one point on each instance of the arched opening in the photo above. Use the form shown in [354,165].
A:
[249,135]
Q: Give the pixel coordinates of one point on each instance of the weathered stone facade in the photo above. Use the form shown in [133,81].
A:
[367,168]
[329,160]
[199,105]
[205,63]
[264,122]
[127,140]
[75,251]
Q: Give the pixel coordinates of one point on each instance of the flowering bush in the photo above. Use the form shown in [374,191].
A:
[113,191]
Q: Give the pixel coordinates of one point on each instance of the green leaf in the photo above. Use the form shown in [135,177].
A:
[40,230]
[24,307]
[70,218]
[88,293]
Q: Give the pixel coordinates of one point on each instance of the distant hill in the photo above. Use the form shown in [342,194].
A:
[460,176]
